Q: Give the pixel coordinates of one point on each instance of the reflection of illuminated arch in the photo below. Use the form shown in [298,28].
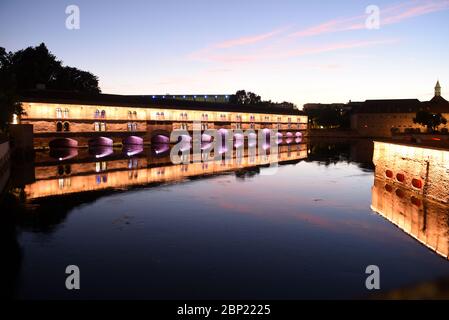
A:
[133,140]
[160,137]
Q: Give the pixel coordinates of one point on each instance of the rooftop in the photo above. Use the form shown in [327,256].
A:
[146,101]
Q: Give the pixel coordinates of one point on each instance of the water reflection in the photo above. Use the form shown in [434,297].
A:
[83,175]
[425,220]
[411,191]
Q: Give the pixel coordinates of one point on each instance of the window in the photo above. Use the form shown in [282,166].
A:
[102,126]
[135,115]
[134,126]
[66,126]
[97,114]
[103,114]
[58,113]
[66,113]
[130,126]
[97,126]
[59,126]
[130,114]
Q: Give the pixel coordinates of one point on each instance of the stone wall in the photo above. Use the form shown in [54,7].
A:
[423,170]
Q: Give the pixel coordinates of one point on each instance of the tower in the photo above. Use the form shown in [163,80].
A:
[438,89]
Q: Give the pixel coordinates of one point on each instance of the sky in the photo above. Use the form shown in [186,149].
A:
[283,50]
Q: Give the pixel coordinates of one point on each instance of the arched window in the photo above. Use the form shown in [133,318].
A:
[130,114]
[135,115]
[59,126]
[97,126]
[134,126]
[66,113]
[130,127]
[162,115]
[103,113]
[97,113]
[66,126]
[102,126]
[58,113]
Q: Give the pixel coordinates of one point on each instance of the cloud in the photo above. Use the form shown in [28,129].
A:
[272,54]
[247,40]
[389,15]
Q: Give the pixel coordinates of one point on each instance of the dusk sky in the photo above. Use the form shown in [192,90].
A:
[298,51]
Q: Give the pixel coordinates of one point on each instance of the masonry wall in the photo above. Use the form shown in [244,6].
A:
[425,171]
[380,124]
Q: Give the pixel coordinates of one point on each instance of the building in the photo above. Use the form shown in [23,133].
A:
[381,118]
[84,119]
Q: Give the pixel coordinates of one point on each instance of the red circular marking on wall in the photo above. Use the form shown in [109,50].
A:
[389,174]
[417,183]
[400,177]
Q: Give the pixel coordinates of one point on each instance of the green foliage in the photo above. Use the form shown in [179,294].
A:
[430,120]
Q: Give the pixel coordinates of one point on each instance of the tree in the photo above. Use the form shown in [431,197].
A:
[250,98]
[430,120]
[25,69]
[243,97]
[9,103]
[326,117]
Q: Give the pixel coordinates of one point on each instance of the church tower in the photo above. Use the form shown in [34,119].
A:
[438,89]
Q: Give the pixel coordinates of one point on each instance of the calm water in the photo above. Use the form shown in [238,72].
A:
[140,227]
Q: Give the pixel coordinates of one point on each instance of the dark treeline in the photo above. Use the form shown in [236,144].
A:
[36,67]
[249,98]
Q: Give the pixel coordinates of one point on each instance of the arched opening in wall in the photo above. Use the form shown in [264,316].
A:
[415,201]
[58,113]
[103,113]
[389,174]
[133,140]
[417,183]
[185,138]
[66,126]
[66,113]
[59,126]
[97,113]
[400,193]
[400,177]
[160,139]
[388,188]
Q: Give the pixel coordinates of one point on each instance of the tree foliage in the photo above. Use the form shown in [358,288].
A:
[430,120]
[243,97]
[25,69]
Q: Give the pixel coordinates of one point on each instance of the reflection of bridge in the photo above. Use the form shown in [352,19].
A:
[411,190]
[85,172]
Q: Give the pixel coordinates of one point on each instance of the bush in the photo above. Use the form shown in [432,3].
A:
[394,130]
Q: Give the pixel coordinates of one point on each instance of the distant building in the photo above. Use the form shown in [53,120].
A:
[379,118]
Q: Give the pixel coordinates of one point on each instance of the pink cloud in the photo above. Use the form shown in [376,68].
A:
[389,15]
[247,40]
[270,53]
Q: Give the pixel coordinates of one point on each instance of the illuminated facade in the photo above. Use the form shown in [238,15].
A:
[411,189]
[84,117]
